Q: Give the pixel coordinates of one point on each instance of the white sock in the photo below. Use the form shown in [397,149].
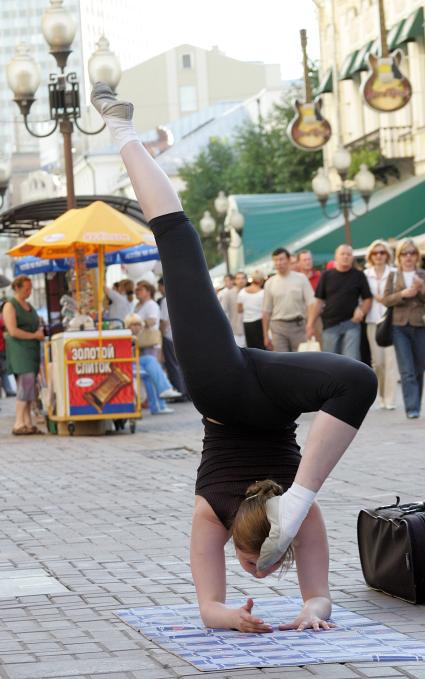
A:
[293,508]
[122,131]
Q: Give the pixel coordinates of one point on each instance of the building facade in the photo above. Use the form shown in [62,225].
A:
[187,79]
[349,29]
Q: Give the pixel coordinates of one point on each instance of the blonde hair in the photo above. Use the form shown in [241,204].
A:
[407,242]
[373,245]
[251,526]
[258,275]
[132,319]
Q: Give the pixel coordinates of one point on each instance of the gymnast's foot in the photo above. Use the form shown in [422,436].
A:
[285,513]
[116,114]
[105,102]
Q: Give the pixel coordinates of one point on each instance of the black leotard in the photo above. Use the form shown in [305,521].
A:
[249,389]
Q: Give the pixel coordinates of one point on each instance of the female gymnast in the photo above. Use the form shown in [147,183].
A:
[249,399]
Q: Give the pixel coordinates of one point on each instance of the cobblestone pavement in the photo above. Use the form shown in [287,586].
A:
[109,518]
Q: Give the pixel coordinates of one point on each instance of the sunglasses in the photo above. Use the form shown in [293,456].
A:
[412,253]
[380,252]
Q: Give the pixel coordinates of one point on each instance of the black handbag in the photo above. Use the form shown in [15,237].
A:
[392,549]
[384,327]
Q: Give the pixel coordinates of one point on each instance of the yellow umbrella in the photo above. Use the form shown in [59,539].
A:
[97,228]
[86,228]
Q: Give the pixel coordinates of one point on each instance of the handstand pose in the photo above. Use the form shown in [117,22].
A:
[249,399]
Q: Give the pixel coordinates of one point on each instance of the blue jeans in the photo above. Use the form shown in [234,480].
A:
[155,381]
[343,338]
[4,377]
[409,343]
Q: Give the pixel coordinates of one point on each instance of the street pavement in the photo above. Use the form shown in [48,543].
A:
[109,519]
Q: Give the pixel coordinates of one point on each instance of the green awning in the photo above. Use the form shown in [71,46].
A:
[360,64]
[346,69]
[413,28]
[296,221]
[326,83]
[395,212]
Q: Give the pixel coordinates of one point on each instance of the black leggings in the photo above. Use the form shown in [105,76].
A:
[249,387]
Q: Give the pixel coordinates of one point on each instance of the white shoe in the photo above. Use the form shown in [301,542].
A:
[390,407]
[170,393]
[165,411]
[105,102]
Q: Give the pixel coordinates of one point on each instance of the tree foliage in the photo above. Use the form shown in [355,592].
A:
[261,159]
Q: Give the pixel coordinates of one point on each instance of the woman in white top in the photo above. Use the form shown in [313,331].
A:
[384,363]
[250,304]
[148,311]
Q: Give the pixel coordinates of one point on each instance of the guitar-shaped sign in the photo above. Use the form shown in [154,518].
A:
[308,130]
[386,89]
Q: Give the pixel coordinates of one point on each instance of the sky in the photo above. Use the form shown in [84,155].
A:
[267,30]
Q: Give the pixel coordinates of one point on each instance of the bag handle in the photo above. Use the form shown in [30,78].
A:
[391,506]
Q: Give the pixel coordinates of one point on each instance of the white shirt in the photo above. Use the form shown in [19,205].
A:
[408,278]
[120,307]
[163,315]
[377,287]
[148,310]
[252,305]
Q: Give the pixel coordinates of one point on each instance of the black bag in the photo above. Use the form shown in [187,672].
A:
[384,327]
[392,549]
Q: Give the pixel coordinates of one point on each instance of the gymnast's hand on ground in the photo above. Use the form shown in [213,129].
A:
[245,622]
[307,621]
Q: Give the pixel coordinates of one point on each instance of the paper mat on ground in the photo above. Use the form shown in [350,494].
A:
[179,630]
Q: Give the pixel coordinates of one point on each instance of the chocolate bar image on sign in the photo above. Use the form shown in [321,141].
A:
[107,389]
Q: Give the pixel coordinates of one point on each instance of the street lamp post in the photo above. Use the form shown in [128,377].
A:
[230,218]
[23,74]
[364,182]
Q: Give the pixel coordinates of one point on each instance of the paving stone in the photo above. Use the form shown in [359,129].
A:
[110,518]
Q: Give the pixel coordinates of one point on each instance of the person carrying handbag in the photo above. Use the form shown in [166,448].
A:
[148,311]
[384,362]
[406,295]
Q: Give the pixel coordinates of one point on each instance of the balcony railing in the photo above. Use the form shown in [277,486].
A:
[393,142]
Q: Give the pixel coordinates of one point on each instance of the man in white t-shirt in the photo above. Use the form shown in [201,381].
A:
[148,311]
[287,298]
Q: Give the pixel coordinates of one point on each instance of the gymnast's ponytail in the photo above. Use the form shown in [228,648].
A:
[251,526]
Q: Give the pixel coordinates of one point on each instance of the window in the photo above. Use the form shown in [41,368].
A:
[186,61]
[188,101]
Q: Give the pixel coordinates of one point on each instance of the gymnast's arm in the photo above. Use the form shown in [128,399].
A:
[207,559]
[312,559]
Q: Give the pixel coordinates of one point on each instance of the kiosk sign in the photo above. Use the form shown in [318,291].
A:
[100,376]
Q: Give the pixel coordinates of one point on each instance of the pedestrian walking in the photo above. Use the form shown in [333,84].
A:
[229,302]
[384,363]
[148,311]
[287,297]
[229,282]
[23,338]
[172,365]
[250,305]
[250,400]
[405,293]
[343,298]
[305,266]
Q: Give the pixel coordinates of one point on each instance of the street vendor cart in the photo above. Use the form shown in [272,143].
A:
[92,374]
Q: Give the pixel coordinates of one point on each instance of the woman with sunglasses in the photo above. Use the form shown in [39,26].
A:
[405,292]
[250,399]
[384,362]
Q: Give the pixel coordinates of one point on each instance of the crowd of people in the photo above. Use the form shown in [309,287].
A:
[340,307]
